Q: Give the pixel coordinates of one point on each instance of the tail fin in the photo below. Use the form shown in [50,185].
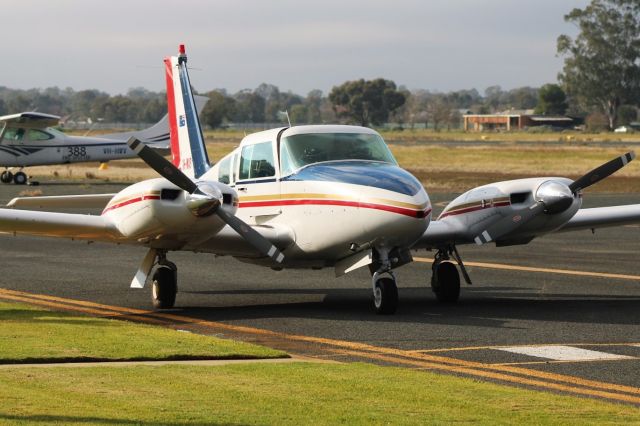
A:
[187,143]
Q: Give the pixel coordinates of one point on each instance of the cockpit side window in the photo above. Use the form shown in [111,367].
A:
[256,161]
[224,171]
[38,135]
[14,134]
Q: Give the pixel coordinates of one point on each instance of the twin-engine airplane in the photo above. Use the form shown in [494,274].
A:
[29,139]
[307,197]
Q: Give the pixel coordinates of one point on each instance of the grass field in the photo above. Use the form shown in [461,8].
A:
[280,394]
[31,334]
[258,393]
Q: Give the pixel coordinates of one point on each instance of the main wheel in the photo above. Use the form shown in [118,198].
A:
[6,176]
[385,296]
[164,288]
[445,282]
[20,178]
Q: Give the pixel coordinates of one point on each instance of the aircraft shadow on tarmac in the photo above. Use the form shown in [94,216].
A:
[492,307]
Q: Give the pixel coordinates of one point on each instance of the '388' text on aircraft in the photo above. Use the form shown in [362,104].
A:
[30,139]
[307,197]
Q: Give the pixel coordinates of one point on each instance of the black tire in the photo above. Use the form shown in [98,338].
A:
[20,178]
[6,177]
[445,282]
[164,288]
[385,298]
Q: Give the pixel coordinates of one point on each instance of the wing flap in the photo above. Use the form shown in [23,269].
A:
[601,217]
[89,201]
[64,225]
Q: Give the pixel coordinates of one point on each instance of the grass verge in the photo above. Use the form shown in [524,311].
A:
[296,393]
[30,334]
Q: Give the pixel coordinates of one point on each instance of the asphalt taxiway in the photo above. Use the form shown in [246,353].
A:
[560,313]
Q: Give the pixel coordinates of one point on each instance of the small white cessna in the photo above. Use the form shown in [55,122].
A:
[307,197]
[29,139]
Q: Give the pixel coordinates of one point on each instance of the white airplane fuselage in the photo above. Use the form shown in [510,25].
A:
[61,150]
[322,212]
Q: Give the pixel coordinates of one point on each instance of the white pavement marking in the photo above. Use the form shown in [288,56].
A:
[563,353]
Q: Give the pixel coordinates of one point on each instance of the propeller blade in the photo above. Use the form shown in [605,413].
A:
[165,168]
[252,236]
[509,223]
[599,173]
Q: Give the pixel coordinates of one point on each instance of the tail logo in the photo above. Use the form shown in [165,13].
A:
[182,121]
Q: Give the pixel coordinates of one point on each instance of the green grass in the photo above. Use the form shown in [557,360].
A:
[29,334]
[297,393]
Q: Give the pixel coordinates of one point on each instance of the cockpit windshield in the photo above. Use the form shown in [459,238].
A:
[300,150]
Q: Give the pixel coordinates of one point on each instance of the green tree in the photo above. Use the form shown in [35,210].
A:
[601,65]
[219,108]
[366,101]
[551,100]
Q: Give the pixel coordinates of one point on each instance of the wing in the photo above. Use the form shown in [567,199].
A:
[32,120]
[90,201]
[601,217]
[442,233]
[64,225]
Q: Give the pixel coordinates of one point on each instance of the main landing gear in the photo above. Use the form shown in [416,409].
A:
[164,285]
[445,280]
[20,178]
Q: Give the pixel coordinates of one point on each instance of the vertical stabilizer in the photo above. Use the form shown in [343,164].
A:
[187,143]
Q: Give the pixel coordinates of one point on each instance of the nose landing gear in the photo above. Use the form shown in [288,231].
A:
[385,290]
[164,285]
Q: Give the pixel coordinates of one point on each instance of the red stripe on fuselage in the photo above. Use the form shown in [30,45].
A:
[131,201]
[173,123]
[473,209]
[399,210]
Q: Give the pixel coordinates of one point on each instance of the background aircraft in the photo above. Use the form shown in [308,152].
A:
[307,197]
[29,139]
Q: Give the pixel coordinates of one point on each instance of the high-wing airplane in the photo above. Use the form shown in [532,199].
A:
[307,197]
[29,139]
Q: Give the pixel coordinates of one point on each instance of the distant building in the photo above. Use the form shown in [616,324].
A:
[513,120]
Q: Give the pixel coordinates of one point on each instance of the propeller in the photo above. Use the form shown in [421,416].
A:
[204,199]
[551,197]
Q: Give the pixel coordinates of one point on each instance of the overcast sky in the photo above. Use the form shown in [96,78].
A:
[439,45]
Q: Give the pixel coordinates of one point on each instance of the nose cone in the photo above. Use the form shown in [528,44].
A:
[556,196]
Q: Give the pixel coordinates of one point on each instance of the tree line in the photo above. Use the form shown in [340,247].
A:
[600,82]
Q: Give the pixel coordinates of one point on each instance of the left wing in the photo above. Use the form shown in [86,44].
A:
[32,120]
[85,201]
[65,225]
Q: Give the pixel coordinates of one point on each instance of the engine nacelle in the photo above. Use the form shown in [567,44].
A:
[160,213]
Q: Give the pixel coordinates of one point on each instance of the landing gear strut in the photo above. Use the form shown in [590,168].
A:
[385,290]
[445,280]
[164,285]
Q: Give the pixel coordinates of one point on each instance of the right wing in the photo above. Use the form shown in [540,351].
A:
[32,120]
[64,225]
[601,217]
[90,201]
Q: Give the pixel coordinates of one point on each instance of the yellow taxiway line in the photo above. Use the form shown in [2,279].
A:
[533,269]
[503,373]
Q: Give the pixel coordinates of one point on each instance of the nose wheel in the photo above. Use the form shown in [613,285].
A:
[385,295]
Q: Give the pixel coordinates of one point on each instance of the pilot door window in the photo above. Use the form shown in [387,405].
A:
[14,134]
[256,161]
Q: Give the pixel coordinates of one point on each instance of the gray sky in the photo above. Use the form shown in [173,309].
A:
[438,45]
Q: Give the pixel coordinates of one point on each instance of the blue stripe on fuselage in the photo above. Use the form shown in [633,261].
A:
[367,173]
[196,141]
